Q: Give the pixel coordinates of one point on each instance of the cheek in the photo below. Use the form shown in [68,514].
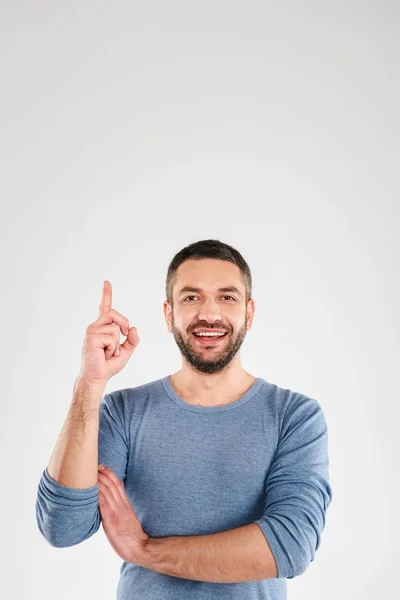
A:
[186,319]
[183,322]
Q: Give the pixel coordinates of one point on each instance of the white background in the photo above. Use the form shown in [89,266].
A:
[131,129]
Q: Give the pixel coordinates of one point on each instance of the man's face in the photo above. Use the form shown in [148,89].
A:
[201,304]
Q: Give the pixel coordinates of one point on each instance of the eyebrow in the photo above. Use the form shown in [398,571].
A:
[230,288]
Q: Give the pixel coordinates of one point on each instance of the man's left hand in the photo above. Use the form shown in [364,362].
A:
[120,523]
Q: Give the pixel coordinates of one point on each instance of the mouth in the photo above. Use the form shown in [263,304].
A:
[209,340]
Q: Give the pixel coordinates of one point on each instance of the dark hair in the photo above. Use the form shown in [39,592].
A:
[208,249]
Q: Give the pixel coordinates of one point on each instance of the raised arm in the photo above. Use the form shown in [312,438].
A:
[67,499]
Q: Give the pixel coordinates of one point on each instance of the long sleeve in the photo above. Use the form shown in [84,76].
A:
[67,516]
[297,488]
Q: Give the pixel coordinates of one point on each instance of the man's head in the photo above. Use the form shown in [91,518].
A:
[208,289]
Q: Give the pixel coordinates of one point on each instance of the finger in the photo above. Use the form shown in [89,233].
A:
[116,330]
[109,351]
[117,334]
[116,351]
[113,316]
[102,340]
[106,300]
[110,491]
[117,484]
[104,505]
[131,341]
[113,330]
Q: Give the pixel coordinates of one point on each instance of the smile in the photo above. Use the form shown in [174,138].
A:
[209,340]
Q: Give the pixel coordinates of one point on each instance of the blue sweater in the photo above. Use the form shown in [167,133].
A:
[195,470]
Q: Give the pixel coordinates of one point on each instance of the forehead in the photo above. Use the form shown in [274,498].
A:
[208,273]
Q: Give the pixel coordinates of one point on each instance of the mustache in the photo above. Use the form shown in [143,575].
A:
[211,327]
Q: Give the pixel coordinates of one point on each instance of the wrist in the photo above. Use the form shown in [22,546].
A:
[85,385]
[87,394]
[142,555]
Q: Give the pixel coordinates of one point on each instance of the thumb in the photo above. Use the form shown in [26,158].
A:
[131,341]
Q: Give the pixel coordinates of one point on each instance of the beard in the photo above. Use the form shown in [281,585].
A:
[218,360]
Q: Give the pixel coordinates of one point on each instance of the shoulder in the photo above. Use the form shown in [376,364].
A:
[129,395]
[294,407]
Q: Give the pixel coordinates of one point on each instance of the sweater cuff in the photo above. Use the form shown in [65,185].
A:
[58,492]
[274,545]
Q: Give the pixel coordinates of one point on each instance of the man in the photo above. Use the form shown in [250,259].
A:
[214,481]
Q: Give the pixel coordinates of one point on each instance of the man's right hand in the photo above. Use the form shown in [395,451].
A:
[102,355]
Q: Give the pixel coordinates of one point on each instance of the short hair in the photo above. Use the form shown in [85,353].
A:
[208,249]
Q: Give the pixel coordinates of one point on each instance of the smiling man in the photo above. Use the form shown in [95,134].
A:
[209,310]
[213,482]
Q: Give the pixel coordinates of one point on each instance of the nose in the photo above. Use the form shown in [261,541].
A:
[209,311]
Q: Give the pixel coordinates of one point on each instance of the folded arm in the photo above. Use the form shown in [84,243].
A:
[233,556]
[283,541]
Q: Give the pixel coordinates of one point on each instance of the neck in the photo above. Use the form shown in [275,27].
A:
[209,388]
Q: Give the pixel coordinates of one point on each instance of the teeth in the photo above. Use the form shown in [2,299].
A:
[210,334]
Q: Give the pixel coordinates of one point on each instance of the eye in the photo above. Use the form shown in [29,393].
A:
[187,298]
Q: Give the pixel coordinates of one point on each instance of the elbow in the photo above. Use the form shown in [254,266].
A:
[300,563]
[66,536]
[300,551]
[297,555]
[66,516]
[66,532]
[61,538]
[293,543]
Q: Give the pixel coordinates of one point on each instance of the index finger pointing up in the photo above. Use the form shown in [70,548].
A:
[106,300]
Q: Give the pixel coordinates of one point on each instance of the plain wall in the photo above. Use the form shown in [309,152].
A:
[131,129]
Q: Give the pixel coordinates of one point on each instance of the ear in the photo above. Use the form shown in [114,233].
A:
[168,314]
[251,307]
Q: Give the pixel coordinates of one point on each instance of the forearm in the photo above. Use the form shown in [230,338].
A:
[233,556]
[74,460]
